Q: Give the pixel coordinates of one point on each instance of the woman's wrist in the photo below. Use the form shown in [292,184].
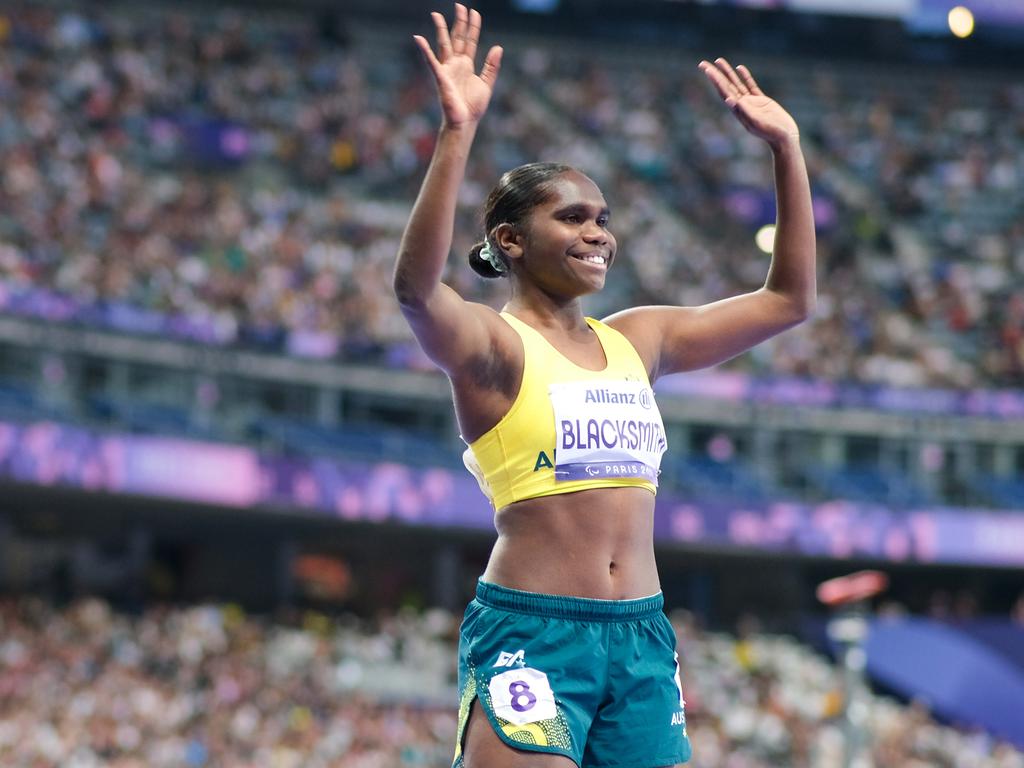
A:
[456,139]
[788,144]
[465,128]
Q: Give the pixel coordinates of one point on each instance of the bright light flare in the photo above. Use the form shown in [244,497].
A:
[961,21]
[765,238]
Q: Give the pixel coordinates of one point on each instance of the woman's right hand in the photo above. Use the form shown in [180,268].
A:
[464,95]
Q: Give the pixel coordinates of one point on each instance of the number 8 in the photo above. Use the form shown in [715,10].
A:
[518,691]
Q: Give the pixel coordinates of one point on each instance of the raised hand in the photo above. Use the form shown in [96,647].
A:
[760,115]
[464,95]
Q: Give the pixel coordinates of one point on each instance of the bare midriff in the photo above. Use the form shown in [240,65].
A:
[597,543]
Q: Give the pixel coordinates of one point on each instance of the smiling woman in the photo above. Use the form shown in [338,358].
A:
[566,657]
[571,224]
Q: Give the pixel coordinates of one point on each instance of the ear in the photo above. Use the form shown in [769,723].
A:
[508,239]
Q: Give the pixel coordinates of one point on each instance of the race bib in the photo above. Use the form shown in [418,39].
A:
[522,696]
[606,429]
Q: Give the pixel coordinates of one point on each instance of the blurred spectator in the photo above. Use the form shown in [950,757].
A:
[211,686]
[207,685]
[242,179]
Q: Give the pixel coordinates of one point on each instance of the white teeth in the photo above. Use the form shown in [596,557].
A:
[594,259]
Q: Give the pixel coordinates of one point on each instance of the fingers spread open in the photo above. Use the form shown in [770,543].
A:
[726,68]
[459,28]
[428,54]
[473,33]
[444,42]
[722,84]
[492,65]
[749,80]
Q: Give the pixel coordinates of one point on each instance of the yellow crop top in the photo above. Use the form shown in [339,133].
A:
[570,428]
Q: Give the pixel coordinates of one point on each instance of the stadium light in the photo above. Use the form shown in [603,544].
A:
[765,238]
[961,21]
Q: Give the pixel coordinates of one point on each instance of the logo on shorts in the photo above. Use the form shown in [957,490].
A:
[506,659]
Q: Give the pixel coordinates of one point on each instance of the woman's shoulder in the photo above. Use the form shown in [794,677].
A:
[636,327]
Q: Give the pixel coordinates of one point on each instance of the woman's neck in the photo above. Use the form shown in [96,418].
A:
[545,311]
[565,318]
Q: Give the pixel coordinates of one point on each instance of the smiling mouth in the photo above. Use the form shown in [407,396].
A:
[592,258]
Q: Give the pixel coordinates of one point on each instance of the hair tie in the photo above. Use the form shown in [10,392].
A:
[491,256]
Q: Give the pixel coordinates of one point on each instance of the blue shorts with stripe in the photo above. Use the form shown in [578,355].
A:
[594,680]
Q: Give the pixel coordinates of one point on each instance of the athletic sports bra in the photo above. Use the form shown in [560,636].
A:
[571,428]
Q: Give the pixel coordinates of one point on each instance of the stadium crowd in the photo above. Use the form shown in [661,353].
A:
[85,686]
[206,686]
[243,180]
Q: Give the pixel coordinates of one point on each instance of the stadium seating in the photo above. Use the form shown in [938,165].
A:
[87,685]
[218,218]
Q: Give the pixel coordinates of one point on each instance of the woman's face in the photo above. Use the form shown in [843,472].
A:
[566,245]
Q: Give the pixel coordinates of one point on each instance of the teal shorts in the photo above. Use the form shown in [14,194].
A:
[594,680]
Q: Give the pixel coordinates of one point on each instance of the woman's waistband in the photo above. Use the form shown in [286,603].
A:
[566,607]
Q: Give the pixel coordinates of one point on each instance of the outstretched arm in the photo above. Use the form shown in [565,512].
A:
[445,325]
[674,339]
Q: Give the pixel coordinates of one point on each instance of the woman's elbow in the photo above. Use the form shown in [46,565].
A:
[407,289]
[806,308]
[794,307]
[797,309]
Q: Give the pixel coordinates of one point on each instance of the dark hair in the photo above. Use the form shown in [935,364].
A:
[517,193]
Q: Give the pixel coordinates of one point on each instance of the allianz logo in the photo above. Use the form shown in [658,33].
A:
[612,397]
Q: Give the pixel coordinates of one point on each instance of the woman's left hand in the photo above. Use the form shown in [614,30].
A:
[760,115]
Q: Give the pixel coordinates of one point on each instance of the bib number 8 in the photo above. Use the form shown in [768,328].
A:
[522,699]
[522,696]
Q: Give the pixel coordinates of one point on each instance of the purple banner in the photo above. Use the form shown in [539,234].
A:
[845,530]
[740,388]
[53,307]
[52,454]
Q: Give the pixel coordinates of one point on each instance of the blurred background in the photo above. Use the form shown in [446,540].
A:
[234,525]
